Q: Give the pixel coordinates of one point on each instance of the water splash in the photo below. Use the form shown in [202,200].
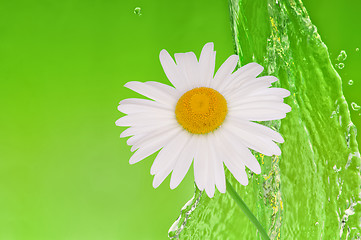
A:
[298,195]
[186,211]
[348,212]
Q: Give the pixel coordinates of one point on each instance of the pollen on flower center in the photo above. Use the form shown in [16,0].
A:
[201,110]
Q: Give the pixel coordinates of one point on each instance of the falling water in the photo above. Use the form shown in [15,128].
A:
[312,191]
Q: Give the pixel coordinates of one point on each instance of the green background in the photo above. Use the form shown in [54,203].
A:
[64,172]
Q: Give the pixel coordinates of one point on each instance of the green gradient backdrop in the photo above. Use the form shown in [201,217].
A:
[64,172]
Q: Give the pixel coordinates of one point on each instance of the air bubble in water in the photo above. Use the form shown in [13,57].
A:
[355,107]
[350,82]
[342,56]
[138,11]
[340,65]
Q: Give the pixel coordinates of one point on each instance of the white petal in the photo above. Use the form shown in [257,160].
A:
[220,180]
[141,129]
[188,64]
[166,159]
[252,141]
[143,153]
[136,105]
[171,148]
[239,172]
[249,71]
[132,131]
[207,64]
[128,132]
[231,159]
[171,70]
[145,138]
[146,119]
[270,79]
[200,163]
[256,115]
[209,171]
[165,88]
[183,163]
[251,87]
[281,92]
[152,92]
[225,71]
[257,129]
[210,189]
[250,99]
[244,81]
[152,147]
[263,106]
[123,122]
[234,141]
[134,139]
[253,81]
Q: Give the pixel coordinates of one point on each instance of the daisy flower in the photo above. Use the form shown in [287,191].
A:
[205,117]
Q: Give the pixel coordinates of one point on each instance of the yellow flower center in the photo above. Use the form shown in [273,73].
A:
[201,110]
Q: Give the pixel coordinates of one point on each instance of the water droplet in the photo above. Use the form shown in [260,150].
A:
[138,11]
[350,82]
[355,107]
[357,49]
[340,65]
[336,169]
[342,56]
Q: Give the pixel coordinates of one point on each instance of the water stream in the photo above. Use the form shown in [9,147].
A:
[312,191]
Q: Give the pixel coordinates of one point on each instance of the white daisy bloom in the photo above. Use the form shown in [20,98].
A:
[203,117]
